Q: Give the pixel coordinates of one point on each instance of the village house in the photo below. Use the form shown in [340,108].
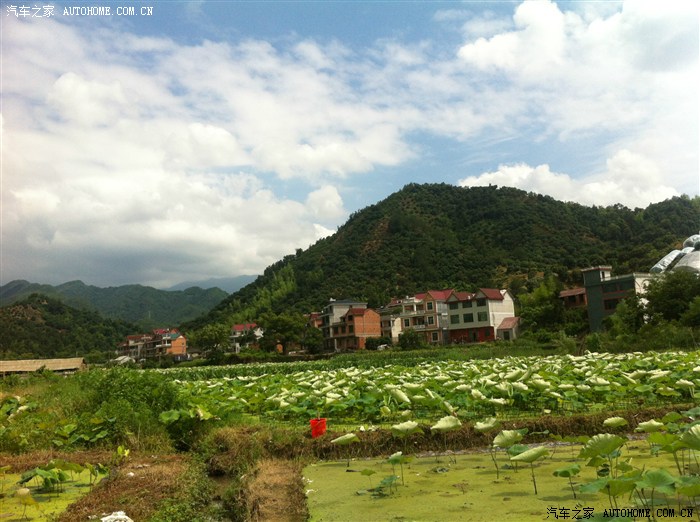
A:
[605,291]
[69,365]
[479,317]
[425,313]
[446,316]
[346,324]
[244,335]
[573,297]
[158,343]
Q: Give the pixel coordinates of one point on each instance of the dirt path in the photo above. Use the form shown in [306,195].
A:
[276,493]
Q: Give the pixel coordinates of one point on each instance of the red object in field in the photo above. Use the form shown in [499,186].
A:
[318,427]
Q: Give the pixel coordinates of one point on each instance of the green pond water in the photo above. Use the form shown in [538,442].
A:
[46,503]
[442,490]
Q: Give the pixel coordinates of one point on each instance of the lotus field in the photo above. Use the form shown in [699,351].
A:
[431,389]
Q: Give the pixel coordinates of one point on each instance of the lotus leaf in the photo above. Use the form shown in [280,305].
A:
[531,455]
[692,437]
[486,425]
[603,444]
[405,428]
[568,471]
[507,438]
[649,426]
[346,439]
[615,422]
[658,480]
[448,423]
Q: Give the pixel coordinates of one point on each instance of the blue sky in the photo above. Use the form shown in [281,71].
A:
[211,138]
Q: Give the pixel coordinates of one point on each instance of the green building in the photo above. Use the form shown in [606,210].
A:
[604,291]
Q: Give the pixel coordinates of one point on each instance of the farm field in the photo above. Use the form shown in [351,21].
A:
[507,387]
[233,419]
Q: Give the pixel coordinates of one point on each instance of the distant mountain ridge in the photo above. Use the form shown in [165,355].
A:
[228,284]
[437,236]
[147,306]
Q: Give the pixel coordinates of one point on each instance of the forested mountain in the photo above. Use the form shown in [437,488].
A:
[440,236]
[147,306]
[44,327]
[228,284]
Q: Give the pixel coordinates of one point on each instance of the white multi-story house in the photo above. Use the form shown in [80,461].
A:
[439,316]
[480,317]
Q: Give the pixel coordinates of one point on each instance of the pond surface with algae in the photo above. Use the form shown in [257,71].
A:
[464,487]
[39,503]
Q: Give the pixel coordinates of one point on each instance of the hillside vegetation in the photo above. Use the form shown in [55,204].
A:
[439,236]
[147,306]
[44,327]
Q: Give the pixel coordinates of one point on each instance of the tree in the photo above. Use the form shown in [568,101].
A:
[691,317]
[628,317]
[542,308]
[670,295]
[410,339]
[282,329]
[212,339]
[312,339]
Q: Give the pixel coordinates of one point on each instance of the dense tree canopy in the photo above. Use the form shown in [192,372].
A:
[671,295]
[43,327]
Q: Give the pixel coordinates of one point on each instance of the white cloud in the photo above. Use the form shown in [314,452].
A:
[531,51]
[88,103]
[326,204]
[164,156]
[630,179]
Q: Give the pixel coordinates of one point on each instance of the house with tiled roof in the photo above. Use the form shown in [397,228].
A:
[509,329]
[159,342]
[573,297]
[244,334]
[425,313]
[335,323]
[477,317]
[355,327]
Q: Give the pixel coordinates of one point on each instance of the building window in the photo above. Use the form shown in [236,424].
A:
[335,330]
[467,304]
[406,323]
[481,301]
[611,304]
[431,319]
[429,305]
[435,336]
[482,316]
[454,319]
[351,329]
[468,318]
[453,306]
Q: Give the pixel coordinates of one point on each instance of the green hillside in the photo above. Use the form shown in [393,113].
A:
[438,236]
[44,327]
[147,306]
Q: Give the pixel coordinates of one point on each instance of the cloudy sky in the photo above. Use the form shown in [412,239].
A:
[211,138]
